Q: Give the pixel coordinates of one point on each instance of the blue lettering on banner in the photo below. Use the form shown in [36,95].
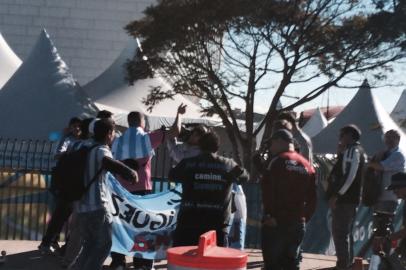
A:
[142,225]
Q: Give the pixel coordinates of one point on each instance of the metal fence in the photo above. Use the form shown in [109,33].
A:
[26,204]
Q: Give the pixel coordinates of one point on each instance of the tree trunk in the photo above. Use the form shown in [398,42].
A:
[234,143]
[247,151]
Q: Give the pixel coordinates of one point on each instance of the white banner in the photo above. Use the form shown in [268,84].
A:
[142,225]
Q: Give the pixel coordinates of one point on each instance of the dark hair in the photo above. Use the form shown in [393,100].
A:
[74,120]
[104,114]
[281,124]
[209,142]
[394,132]
[102,128]
[200,130]
[288,116]
[84,127]
[353,130]
[134,119]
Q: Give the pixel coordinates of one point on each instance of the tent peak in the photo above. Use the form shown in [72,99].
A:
[365,84]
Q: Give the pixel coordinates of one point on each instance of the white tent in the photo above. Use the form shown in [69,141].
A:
[365,111]
[111,91]
[399,112]
[315,124]
[41,96]
[9,62]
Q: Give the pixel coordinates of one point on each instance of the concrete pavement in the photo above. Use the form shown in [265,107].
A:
[23,255]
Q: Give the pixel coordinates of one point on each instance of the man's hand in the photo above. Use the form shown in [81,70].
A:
[332,202]
[234,173]
[375,165]
[134,177]
[182,108]
[379,156]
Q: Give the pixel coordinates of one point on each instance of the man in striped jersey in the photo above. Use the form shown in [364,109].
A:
[346,194]
[137,144]
[93,217]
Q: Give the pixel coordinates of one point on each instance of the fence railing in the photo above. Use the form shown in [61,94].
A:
[26,204]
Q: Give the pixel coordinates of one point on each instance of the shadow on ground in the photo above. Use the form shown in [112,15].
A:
[31,260]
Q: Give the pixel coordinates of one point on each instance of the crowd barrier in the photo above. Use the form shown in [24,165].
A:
[26,204]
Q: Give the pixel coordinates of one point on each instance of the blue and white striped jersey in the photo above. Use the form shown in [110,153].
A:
[96,196]
[135,143]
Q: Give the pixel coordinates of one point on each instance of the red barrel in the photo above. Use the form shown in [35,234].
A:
[206,256]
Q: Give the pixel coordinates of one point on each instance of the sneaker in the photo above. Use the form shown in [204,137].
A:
[45,249]
[55,246]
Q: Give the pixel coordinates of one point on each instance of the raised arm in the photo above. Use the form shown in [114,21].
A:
[175,129]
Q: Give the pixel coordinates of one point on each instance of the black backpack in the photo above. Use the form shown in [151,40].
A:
[371,187]
[68,176]
[372,184]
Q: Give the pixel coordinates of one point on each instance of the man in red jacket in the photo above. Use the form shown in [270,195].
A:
[289,200]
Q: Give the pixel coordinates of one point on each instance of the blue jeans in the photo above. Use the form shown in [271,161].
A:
[96,232]
[236,236]
[281,246]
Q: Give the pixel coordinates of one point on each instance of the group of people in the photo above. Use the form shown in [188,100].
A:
[288,185]
[90,232]
[289,194]
[349,184]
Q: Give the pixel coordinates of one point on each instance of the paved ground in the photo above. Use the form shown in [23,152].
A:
[23,255]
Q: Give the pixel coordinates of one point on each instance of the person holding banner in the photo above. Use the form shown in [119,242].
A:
[206,193]
[190,148]
[137,144]
[93,215]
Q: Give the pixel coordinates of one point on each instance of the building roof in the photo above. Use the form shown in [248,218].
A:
[315,124]
[9,61]
[365,111]
[399,111]
[42,95]
[112,91]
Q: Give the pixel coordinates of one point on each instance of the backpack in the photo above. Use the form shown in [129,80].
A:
[68,176]
[372,184]
[371,187]
[334,179]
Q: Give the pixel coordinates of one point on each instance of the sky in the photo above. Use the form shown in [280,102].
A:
[387,91]
[387,95]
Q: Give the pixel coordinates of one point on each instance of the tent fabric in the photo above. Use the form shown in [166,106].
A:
[399,112]
[41,96]
[112,91]
[329,112]
[365,111]
[315,124]
[9,62]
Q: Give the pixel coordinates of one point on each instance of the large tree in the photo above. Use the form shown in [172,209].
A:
[221,51]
